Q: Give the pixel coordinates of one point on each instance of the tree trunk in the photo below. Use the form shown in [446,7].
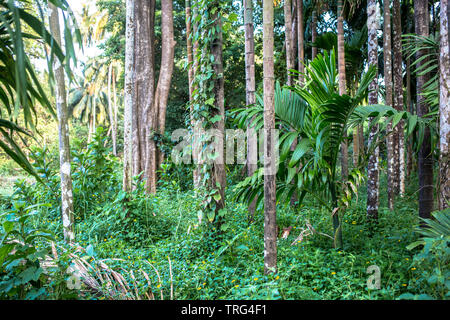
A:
[409,158]
[372,167]
[63,132]
[314,33]
[288,40]
[145,121]
[301,41]
[270,215]
[387,48]
[128,97]
[425,167]
[166,71]
[110,108]
[444,109]
[398,98]
[342,81]
[196,125]
[252,141]
[116,111]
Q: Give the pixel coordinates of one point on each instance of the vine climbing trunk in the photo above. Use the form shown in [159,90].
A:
[63,132]
[270,215]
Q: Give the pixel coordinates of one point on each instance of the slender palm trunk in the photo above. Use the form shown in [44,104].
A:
[128,97]
[342,80]
[425,167]
[288,40]
[409,153]
[301,41]
[63,131]
[110,108]
[252,142]
[314,33]
[270,214]
[196,125]
[387,49]
[116,112]
[398,98]
[444,109]
[372,167]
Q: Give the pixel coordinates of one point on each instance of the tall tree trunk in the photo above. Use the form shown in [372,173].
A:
[444,109]
[425,153]
[196,125]
[110,107]
[63,132]
[409,158]
[288,40]
[387,48]
[145,115]
[314,33]
[190,58]
[372,167]
[218,180]
[166,70]
[116,112]
[270,214]
[301,41]
[398,98]
[342,81]
[128,97]
[252,141]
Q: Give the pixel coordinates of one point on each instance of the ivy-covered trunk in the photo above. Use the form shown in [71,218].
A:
[63,132]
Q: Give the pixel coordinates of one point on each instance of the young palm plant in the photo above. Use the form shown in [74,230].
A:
[319,118]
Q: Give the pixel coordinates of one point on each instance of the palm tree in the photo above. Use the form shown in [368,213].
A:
[319,117]
[90,103]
